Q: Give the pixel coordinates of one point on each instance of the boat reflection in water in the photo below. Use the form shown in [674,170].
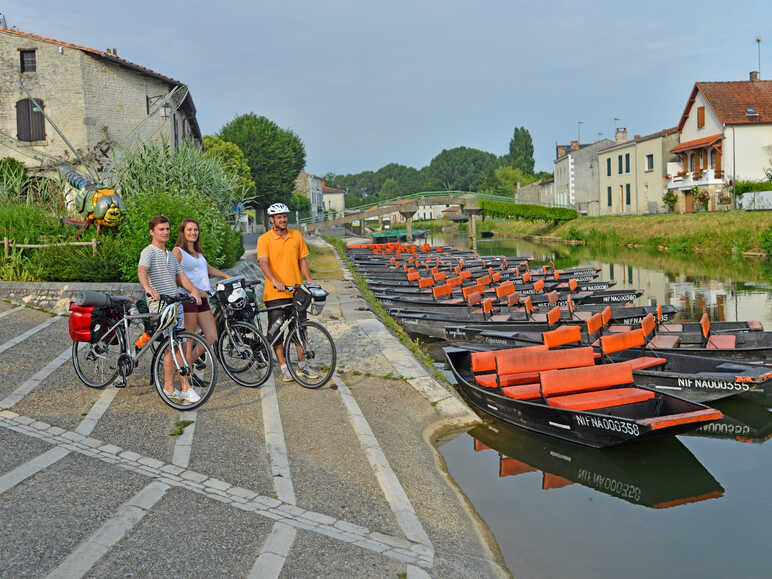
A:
[744,420]
[658,474]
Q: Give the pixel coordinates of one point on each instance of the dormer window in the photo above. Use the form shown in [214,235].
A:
[27,61]
[751,112]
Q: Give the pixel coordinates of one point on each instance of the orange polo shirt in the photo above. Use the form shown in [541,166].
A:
[284,254]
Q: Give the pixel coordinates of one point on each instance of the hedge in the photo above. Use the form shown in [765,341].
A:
[530,212]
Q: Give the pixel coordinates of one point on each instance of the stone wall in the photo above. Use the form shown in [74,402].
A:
[57,82]
[55,296]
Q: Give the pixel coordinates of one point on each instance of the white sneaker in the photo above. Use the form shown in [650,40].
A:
[286,376]
[309,373]
[176,394]
[190,396]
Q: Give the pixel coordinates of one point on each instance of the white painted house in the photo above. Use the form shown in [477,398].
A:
[725,136]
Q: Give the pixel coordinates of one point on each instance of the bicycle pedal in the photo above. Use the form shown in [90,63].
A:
[121,383]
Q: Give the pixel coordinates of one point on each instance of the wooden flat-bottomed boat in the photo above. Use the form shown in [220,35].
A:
[587,404]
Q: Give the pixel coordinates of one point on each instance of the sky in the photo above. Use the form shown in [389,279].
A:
[366,83]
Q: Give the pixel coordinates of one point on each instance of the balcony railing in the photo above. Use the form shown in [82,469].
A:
[695,178]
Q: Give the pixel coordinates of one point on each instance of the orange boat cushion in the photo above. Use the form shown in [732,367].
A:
[425,282]
[606,315]
[755,325]
[553,316]
[562,336]
[594,324]
[522,392]
[485,361]
[442,290]
[643,362]
[505,289]
[538,286]
[601,399]
[618,342]
[705,324]
[648,324]
[722,342]
[664,341]
[533,360]
[489,380]
[618,329]
[574,380]
[573,284]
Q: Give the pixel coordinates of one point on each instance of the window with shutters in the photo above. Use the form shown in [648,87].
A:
[700,117]
[627,162]
[619,160]
[608,167]
[627,194]
[609,197]
[650,162]
[30,123]
[27,61]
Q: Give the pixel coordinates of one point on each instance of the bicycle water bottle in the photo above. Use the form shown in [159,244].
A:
[275,326]
[142,340]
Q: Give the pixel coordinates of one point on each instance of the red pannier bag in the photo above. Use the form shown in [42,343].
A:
[87,323]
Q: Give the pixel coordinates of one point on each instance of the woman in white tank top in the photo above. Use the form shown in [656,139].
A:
[187,250]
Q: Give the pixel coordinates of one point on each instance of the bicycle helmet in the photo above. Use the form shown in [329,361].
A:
[238,298]
[278,208]
[168,317]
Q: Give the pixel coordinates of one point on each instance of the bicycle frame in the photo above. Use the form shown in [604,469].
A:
[131,348]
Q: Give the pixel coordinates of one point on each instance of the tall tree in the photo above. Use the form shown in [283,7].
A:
[231,158]
[461,168]
[521,150]
[275,156]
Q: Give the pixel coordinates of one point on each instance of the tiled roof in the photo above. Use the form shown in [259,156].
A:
[187,104]
[697,143]
[326,189]
[94,51]
[729,101]
[638,139]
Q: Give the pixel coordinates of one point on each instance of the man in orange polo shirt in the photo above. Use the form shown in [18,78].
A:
[281,254]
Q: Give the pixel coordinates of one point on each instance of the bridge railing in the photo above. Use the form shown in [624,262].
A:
[327,216]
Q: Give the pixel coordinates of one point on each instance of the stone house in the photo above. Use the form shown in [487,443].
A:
[333,199]
[633,172]
[725,136]
[310,186]
[539,193]
[95,97]
[576,176]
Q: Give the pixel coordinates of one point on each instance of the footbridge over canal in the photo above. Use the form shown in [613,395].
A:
[407,205]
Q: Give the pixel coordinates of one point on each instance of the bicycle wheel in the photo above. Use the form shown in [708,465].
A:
[97,364]
[315,350]
[244,354]
[202,378]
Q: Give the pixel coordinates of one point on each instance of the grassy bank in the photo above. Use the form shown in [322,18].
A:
[725,233]
[415,346]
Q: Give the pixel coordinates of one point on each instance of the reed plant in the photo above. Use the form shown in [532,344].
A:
[157,166]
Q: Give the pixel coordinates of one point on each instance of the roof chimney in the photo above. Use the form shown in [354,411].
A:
[621,135]
[574,146]
[561,151]
[754,75]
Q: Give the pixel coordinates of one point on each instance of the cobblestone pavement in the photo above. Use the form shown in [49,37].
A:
[271,482]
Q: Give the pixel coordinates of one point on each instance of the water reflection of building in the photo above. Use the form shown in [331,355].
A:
[691,296]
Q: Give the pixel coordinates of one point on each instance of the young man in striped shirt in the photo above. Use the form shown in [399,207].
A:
[159,272]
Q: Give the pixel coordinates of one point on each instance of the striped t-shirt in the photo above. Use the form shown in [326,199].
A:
[163,269]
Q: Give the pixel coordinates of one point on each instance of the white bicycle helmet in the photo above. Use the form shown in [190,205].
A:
[168,317]
[278,208]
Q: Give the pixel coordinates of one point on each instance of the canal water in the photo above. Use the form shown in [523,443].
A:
[696,505]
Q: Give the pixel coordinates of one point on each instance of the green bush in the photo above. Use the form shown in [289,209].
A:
[766,242]
[530,212]
[142,206]
[741,187]
[233,247]
[29,224]
[68,263]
